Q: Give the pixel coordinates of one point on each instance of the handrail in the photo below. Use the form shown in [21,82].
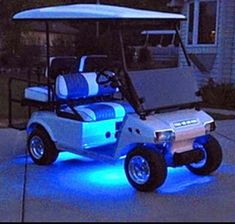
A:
[12,100]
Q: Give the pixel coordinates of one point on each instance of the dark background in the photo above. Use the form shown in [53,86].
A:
[11,46]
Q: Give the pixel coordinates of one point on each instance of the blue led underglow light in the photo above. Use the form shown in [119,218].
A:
[93,179]
[20,159]
[112,178]
[180,179]
[105,174]
[108,176]
[67,156]
[75,174]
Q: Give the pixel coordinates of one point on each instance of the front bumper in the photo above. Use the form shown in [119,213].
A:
[191,156]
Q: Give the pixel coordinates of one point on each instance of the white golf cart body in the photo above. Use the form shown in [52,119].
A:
[118,127]
[82,137]
[124,132]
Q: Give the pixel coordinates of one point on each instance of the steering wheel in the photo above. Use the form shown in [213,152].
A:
[105,76]
[109,74]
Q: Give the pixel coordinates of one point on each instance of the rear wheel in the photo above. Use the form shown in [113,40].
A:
[145,169]
[212,158]
[41,148]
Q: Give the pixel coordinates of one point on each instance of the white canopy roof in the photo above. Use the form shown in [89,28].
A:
[93,11]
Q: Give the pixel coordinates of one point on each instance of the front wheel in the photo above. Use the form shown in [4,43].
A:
[212,158]
[41,148]
[145,169]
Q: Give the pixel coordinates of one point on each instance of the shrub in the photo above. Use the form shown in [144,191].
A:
[218,94]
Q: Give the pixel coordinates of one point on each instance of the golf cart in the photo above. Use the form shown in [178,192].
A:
[128,109]
[162,45]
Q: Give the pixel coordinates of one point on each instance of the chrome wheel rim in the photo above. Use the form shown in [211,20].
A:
[37,148]
[139,170]
[202,162]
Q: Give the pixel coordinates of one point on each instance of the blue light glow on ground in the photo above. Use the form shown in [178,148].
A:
[109,176]
[76,173]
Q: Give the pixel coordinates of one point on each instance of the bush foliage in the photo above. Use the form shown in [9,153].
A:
[218,94]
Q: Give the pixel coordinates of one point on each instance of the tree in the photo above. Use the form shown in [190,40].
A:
[9,31]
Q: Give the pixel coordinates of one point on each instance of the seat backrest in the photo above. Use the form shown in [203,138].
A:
[62,65]
[81,85]
[90,63]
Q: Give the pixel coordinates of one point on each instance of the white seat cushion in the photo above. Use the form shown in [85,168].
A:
[102,110]
[81,85]
[37,93]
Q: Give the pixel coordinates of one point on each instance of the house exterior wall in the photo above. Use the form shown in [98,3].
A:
[223,51]
[39,38]
[226,47]
[233,49]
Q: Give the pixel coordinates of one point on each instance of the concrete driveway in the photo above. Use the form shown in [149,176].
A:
[75,189]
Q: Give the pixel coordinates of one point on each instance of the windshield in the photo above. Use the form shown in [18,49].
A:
[151,49]
[152,64]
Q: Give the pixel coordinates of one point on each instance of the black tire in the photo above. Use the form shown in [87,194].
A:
[152,162]
[212,160]
[41,148]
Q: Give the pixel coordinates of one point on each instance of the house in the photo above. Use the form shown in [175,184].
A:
[209,37]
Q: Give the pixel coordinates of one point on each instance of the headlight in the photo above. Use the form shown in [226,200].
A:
[210,127]
[164,136]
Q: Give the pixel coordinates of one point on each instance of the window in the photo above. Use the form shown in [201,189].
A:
[191,22]
[202,23]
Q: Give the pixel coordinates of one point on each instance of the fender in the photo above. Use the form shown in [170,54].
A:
[36,121]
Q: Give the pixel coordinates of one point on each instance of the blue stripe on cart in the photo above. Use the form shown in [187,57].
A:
[102,111]
[75,90]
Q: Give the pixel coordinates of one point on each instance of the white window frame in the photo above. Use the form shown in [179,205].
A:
[196,23]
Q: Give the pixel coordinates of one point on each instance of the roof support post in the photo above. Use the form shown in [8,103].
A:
[48,60]
[183,47]
[130,94]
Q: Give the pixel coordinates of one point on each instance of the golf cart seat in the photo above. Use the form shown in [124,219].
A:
[64,65]
[93,62]
[58,65]
[101,110]
[84,86]
[37,93]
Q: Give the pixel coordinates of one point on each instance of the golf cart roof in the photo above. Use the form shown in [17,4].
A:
[158,32]
[93,11]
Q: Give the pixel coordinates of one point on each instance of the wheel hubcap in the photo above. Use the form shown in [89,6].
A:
[139,170]
[202,162]
[37,147]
